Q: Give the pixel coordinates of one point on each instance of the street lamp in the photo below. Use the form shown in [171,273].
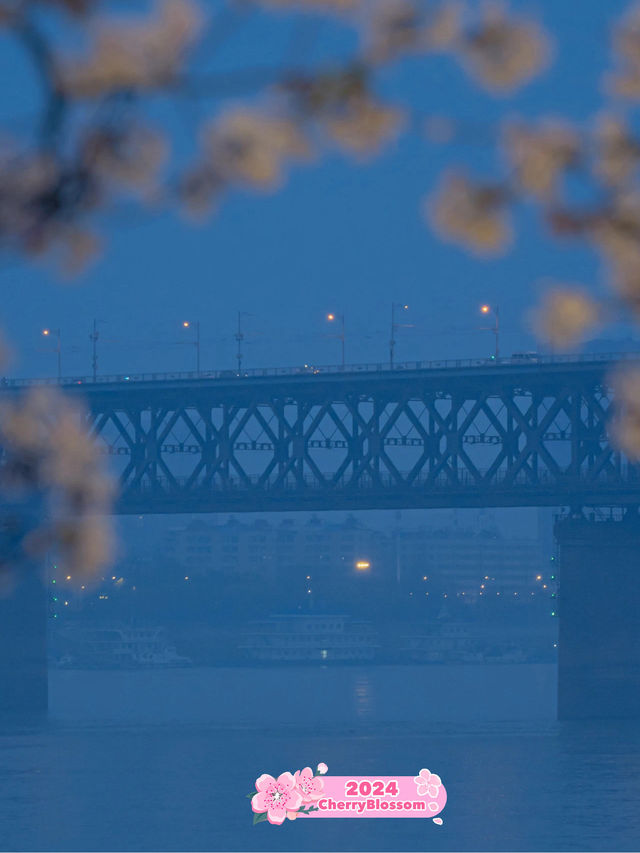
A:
[486,310]
[94,337]
[394,327]
[332,319]
[187,325]
[47,333]
[239,336]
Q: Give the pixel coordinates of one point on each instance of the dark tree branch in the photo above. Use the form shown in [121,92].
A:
[55,102]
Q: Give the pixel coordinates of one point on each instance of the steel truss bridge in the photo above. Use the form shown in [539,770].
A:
[512,432]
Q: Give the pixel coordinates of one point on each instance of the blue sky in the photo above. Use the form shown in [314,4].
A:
[338,237]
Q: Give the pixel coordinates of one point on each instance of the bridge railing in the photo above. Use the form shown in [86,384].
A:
[313,370]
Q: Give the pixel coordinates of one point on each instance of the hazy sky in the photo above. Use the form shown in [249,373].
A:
[337,237]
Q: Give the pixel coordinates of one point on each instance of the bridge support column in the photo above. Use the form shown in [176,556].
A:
[23,645]
[599,612]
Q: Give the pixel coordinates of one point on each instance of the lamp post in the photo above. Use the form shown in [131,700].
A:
[486,310]
[187,325]
[332,319]
[239,336]
[94,336]
[394,327]
[47,333]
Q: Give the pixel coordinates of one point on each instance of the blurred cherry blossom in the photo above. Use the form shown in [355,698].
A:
[47,449]
[505,51]
[125,55]
[253,148]
[364,127]
[540,155]
[625,82]
[397,27]
[241,147]
[314,5]
[566,314]
[131,155]
[616,232]
[625,425]
[470,214]
[617,152]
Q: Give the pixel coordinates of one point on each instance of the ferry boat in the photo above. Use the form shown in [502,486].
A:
[305,638]
[459,642]
[449,642]
[120,648]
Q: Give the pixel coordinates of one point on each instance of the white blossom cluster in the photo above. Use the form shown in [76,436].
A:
[47,450]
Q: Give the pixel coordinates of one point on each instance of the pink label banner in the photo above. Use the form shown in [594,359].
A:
[381,796]
[306,793]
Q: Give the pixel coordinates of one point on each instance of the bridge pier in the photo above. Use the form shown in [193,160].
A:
[599,612]
[23,644]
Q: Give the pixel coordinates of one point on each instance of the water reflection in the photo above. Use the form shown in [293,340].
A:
[363,696]
[314,696]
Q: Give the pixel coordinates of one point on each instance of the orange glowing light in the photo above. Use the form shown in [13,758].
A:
[363,565]
[485,309]
[186,324]
[331,316]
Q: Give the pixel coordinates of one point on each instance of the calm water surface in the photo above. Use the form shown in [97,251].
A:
[163,760]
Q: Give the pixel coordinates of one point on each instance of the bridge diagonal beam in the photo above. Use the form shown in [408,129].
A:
[477,407]
[442,459]
[534,437]
[505,445]
[400,408]
[130,442]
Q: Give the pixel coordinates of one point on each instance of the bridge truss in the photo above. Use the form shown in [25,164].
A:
[490,435]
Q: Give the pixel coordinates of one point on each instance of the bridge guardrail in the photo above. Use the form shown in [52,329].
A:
[312,370]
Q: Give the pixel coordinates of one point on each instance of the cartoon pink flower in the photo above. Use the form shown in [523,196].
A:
[322,768]
[427,783]
[309,786]
[276,797]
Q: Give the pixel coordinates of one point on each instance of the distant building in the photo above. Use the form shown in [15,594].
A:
[240,548]
[455,561]
[458,562]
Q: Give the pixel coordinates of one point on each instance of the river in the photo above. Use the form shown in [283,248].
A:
[162,760]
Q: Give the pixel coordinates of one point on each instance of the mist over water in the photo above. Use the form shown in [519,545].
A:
[162,760]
